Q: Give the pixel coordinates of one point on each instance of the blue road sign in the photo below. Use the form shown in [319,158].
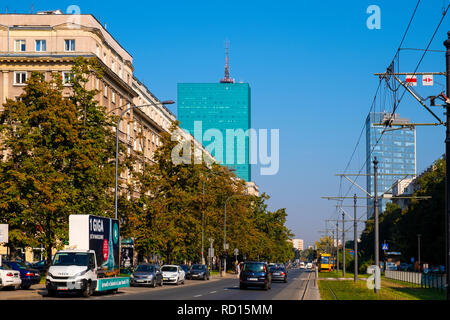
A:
[384,246]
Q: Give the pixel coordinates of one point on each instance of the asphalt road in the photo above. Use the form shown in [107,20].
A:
[218,289]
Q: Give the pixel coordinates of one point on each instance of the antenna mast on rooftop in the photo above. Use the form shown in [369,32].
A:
[227,78]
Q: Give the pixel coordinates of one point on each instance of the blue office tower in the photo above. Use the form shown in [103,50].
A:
[395,152]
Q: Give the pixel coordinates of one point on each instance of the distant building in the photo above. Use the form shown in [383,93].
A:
[223,107]
[403,188]
[395,151]
[297,243]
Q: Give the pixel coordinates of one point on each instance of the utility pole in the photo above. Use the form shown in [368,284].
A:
[337,246]
[447,167]
[355,237]
[418,248]
[375,203]
[343,245]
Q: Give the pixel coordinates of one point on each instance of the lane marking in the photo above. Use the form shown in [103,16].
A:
[199,295]
[213,291]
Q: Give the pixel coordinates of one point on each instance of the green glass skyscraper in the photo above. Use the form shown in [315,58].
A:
[225,107]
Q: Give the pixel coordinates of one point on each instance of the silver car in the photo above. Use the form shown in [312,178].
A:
[146,274]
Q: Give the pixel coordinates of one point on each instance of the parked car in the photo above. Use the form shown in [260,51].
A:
[302,265]
[199,271]
[9,278]
[309,265]
[278,273]
[173,274]
[255,274]
[28,275]
[185,268]
[147,274]
[391,266]
[40,266]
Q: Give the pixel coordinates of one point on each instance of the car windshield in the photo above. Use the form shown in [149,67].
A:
[254,267]
[169,269]
[324,260]
[145,268]
[71,259]
[198,267]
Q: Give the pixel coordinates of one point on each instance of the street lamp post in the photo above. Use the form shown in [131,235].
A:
[117,147]
[225,247]
[203,219]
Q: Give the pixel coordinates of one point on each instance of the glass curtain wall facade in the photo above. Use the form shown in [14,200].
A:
[224,107]
[395,152]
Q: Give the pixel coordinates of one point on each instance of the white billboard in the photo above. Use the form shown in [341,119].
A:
[3,233]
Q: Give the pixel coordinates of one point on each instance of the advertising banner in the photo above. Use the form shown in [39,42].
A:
[104,240]
[3,233]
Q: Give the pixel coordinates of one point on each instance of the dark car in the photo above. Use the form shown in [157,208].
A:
[278,273]
[187,273]
[255,274]
[28,275]
[199,271]
[147,274]
[40,266]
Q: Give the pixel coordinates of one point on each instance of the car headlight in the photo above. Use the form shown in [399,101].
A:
[150,276]
[131,276]
[79,274]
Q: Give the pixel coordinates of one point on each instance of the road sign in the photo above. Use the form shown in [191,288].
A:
[3,233]
[226,246]
[236,251]
[384,246]
[411,80]
[427,80]
[211,252]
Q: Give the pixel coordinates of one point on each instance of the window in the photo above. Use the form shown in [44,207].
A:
[67,77]
[105,91]
[69,45]
[113,96]
[97,50]
[97,84]
[20,77]
[19,45]
[41,45]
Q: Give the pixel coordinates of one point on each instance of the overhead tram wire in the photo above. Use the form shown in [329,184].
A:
[393,59]
[420,61]
[396,56]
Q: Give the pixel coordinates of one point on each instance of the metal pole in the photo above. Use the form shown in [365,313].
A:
[343,245]
[225,236]
[418,248]
[337,246]
[355,237]
[447,166]
[203,223]
[375,203]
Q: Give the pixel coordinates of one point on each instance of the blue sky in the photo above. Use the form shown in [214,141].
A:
[310,66]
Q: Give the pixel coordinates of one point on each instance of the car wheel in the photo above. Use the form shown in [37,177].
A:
[204,277]
[285,280]
[154,283]
[182,282]
[242,286]
[178,282]
[25,287]
[87,291]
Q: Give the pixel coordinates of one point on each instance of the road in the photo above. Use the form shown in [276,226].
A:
[216,288]
[220,289]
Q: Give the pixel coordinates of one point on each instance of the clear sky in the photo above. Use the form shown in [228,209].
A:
[310,66]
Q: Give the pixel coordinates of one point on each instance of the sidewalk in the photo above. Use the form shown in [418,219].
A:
[35,292]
